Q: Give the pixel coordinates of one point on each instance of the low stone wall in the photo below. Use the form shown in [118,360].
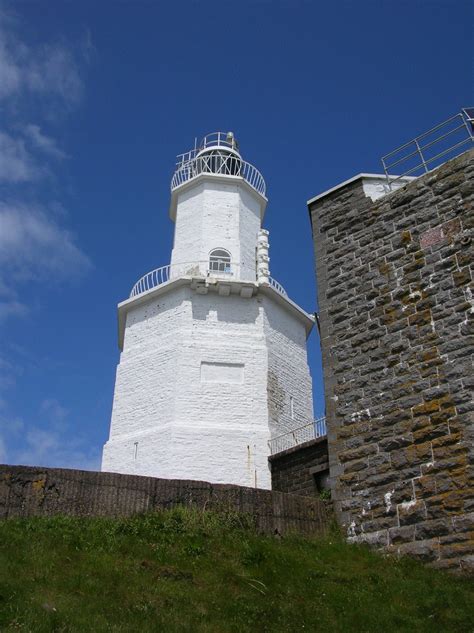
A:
[300,469]
[33,491]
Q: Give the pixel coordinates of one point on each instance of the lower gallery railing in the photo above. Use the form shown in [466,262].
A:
[204,269]
[302,434]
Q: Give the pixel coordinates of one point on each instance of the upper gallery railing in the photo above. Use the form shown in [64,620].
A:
[225,165]
[302,434]
[161,275]
[432,148]
[218,155]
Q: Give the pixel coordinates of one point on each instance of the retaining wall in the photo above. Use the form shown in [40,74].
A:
[33,491]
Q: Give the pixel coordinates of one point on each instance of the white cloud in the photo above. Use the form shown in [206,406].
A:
[45,81]
[34,246]
[50,70]
[8,373]
[43,142]
[16,163]
[54,71]
[54,411]
[9,305]
[12,308]
[43,443]
[50,448]
[10,80]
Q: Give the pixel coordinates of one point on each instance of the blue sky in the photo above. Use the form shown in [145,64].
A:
[97,98]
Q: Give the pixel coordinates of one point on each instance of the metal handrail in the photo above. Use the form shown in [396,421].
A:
[218,139]
[151,280]
[222,165]
[200,269]
[300,435]
[419,149]
[278,287]
[214,139]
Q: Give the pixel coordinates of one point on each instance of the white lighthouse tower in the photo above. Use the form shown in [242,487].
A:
[213,358]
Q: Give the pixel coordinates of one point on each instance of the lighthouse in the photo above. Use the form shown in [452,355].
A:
[213,361]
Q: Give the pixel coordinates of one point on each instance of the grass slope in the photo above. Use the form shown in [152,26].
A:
[184,570]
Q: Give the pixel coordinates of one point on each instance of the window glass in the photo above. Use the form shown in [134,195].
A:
[219,261]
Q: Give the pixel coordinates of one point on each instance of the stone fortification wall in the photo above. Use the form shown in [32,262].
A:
[31,491]
[301,470]
[397,312]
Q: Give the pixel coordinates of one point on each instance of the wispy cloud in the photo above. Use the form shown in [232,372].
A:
[10,72]
[54,411]
[51,76]
[44,143]
[8,373]
[16,163]
[12,308]
[40,86]
[47,69]
[45,439]
[46,447]
[34,246]
[45,444]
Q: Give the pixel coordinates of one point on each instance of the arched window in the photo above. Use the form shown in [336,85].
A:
[219,261]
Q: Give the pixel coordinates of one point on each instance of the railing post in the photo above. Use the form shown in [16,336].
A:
[386,175]
[466,125]
[421,155]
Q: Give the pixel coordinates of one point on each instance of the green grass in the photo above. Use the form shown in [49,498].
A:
[185,570]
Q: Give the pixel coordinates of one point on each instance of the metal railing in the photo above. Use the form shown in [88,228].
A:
[202,269]
[425,152]
[151,280]
[224,165]
[292,438]
[226,140]
[278,287]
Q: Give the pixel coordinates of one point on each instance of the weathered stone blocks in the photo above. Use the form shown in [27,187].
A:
[297,469]
[398,358]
